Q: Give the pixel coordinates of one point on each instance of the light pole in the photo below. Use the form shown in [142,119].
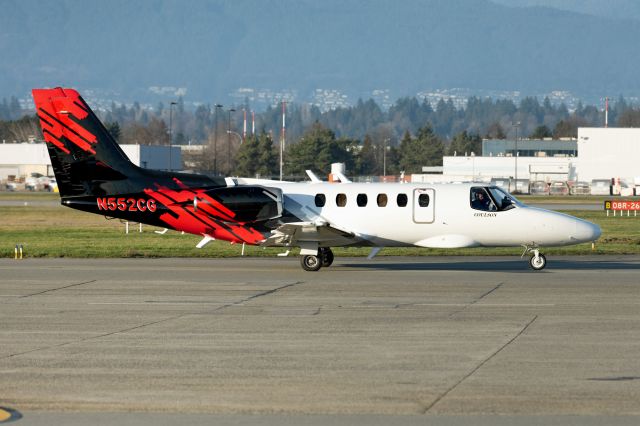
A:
[229,140]
[283,136]
[384,158]
[171,130]
[215,142]
[515,174]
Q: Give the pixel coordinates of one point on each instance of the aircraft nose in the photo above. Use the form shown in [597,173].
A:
[586,231]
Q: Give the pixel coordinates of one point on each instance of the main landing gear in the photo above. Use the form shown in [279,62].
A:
[537,261]
[311,262]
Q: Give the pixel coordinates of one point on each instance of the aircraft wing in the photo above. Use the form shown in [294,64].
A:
[298,233]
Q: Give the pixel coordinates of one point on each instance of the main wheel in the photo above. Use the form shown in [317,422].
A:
[310,262]
[326,255]
[538,263]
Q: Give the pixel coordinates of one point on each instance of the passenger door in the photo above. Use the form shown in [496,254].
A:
[424,205]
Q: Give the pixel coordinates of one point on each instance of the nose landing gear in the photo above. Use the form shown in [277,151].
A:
[537,261]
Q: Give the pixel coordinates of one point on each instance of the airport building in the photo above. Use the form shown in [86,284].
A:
[21,160]
[532,168]
[600,161]
[530,147]
[609,153]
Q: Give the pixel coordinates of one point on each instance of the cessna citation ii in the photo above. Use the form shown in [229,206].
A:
[94,175]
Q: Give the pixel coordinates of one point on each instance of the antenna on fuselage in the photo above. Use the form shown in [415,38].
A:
[312,176]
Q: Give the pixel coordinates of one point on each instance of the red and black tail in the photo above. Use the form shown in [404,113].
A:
[95,175]
[86,159]
[82,151]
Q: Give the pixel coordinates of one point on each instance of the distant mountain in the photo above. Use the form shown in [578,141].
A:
[616,9]
[211,48]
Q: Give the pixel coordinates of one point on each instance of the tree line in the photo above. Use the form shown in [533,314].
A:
[411,134]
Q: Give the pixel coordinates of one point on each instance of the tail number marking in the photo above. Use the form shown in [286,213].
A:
[126,204]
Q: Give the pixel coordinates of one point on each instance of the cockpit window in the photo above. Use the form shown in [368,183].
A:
[492,199]
[503,199]
[480,200]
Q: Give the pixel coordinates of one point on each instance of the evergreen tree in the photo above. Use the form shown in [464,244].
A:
[114,129]
[267,157]
[464,144]
[426,149]
[316,150]
[393,160]
[495,131]
[405,150]
[568,128]
[541,132]
[445,117]
[366,158]
[531,106]
[246,160]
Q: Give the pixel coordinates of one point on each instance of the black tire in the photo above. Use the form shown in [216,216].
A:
[326,255]
[310,263]
[540,264]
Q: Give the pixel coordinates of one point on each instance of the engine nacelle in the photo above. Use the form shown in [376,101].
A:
[243,204]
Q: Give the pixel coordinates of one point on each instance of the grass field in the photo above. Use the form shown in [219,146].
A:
[63,232]
[568,199]
[29,196]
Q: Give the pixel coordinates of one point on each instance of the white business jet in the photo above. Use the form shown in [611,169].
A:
[456,215]
[95,175]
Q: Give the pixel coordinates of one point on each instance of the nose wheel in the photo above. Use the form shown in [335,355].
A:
[537,261]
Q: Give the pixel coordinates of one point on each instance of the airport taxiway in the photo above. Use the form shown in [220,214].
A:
[434,336]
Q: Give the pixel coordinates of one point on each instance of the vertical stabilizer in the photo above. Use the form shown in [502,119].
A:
[82,151]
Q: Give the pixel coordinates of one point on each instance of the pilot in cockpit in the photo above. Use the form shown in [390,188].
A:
[480,200]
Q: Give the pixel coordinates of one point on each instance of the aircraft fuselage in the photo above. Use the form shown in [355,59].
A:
[377,215]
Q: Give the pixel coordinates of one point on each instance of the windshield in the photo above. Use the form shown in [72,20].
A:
[503,200]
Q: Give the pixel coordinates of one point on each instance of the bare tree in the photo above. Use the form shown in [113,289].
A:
[24,129]
[629,118]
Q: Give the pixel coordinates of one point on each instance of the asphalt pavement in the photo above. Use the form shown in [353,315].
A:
[395,340]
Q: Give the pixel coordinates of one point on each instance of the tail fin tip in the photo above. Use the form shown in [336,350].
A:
[55,107]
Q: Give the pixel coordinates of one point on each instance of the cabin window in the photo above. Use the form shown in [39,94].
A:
[341,200]
[423,200]
[382,200]
[320,200]
[402,199]
[361,199]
